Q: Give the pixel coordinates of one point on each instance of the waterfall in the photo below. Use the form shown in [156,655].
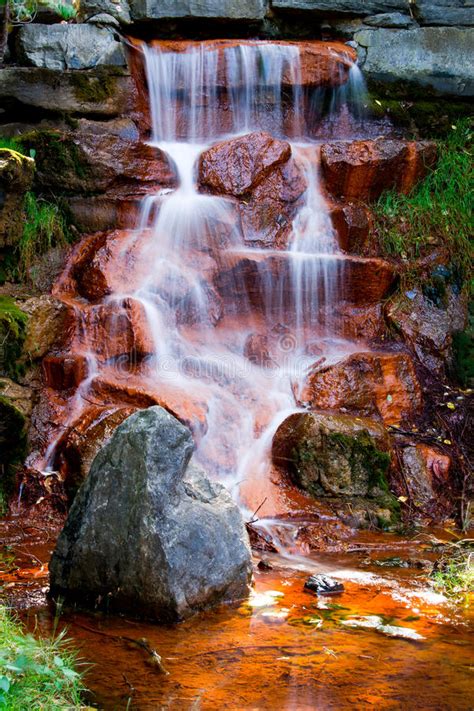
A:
[201,340]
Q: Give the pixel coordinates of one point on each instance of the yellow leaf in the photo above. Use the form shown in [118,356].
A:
[447,441]
[403,499]
[378,102]
[451,405]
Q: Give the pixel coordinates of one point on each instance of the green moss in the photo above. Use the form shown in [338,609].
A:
[12,335]
[13,447]
[93,89]
[53,152]
[362,452]
[417,109]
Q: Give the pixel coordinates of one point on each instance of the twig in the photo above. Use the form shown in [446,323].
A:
[253,519]
[155,658]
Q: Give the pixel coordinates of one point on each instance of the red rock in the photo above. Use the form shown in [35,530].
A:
[119,328]
[322,63]
[352,224]
[383,384]
[268,213]
[236,166]
[96,156]
[257,351]
[243,279]
[83,440]
[87,267]
[64,371]
[426,475]
[362,170]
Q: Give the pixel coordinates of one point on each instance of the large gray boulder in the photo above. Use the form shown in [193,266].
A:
[148,532]
[435,57]
[350,7]
[69,46]
[223,9]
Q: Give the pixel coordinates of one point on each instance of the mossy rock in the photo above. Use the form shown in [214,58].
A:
[13,322]
[418,113]
[60,162]
[334,455]
[93,89]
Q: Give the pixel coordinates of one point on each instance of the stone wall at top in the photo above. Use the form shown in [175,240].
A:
[416,50]
[426,44]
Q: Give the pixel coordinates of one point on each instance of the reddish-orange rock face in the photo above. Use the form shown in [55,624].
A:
[362,170]
[64,371]
[260,171]
[119,328]
[322,63]
[383,384]
[352,223]
[235,167]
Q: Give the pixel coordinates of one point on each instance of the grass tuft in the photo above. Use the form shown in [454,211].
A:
[36,673]
[454,571]
[438,211]
[45,227]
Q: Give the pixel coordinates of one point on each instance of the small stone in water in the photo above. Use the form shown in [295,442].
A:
[323,585]
[264,565]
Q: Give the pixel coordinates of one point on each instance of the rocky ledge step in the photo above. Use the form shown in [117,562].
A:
[380,384]
[362,170]
[321,63]
[251,276]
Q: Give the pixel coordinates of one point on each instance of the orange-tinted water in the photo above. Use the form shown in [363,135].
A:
[289,650]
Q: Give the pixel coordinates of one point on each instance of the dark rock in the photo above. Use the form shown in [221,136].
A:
[264,565]
[351,7]
[224,9]
[117,9]
[148,532]
[323,585]
[96,156]
[439,58]
[395,20]
[235,167]
[63,46]
[426,473]
[429,329]
[47,326]
[445,12]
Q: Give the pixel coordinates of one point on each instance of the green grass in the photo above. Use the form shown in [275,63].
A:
[36,673]
[11,144]
[438,212]
[45,227]
[454,572]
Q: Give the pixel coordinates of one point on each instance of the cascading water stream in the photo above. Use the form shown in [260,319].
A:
[177,237]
